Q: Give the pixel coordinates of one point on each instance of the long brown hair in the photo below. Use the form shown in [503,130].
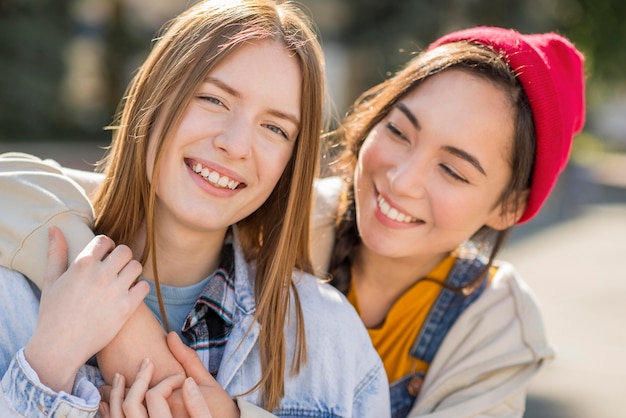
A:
[373,105]
[276,235]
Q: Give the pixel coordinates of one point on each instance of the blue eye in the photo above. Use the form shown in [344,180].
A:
[213,100]
[277,130]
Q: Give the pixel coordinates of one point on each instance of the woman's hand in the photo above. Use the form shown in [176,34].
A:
[142,402]
[219,402]
[83,308]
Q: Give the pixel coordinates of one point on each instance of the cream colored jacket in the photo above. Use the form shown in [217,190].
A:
[482,368]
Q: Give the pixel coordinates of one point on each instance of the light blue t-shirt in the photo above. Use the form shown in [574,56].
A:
[178,301]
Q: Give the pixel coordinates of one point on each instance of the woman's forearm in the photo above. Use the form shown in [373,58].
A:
[141,337]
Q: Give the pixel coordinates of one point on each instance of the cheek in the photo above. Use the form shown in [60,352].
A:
[273,163]
[451,206]
[465,215]
[371,155]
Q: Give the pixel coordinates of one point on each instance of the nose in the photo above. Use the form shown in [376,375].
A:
[235,140]
[408,177]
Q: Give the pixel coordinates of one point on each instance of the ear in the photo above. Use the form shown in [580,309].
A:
[507,215]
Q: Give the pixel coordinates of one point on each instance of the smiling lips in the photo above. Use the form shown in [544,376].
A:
[393,213]
[214,177]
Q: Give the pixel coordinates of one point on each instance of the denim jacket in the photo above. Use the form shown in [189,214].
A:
[343,375]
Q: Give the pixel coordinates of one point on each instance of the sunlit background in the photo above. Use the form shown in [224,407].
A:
[64,66]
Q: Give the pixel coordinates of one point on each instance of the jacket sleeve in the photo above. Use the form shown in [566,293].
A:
[22,394]
[487,360]
[40,194]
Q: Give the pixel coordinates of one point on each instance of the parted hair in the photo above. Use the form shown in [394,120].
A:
[276,235]
[373,105]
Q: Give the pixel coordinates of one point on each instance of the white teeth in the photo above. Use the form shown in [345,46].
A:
[214,177]
[393,213]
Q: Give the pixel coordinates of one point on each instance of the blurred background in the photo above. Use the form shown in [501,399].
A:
[64,66]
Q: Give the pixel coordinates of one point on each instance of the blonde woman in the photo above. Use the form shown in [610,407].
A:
[206,198]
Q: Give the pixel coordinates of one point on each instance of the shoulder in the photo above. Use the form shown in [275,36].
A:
[508,297]
[508,284]
[314,291]
[327,307]
[326,197]
[327,192]
[336,339]
[507,314]
[491,352]
[508,287]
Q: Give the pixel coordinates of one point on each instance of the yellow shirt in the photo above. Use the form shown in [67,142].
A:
[395,337]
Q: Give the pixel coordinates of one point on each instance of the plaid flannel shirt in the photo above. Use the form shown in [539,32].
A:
[209,323]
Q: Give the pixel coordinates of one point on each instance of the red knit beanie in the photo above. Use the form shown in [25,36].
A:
[550,70]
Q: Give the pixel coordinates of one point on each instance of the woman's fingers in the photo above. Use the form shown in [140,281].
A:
[157,397]
[133,403]
[194,401]
[120,262]
[156,405]
[116,397]
[99,247]
[190,361]
[213,394]
[104,411]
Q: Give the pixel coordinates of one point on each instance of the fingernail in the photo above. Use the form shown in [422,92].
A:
[116,379]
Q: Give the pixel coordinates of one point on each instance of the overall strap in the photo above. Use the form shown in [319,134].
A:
[448,307]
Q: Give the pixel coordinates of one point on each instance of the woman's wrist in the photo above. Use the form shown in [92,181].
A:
[54,367]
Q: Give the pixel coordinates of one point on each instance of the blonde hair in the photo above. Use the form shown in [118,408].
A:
[276,234]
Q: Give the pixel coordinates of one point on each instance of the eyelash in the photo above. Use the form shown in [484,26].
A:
[451,173]
[395,131]
[275,129]
[213,100]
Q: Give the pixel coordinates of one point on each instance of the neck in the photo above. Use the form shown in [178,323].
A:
[183,258]
[379,281]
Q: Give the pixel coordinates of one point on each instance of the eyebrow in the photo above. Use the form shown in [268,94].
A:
[410,116]
[228,89]
[452,150]
[465,156]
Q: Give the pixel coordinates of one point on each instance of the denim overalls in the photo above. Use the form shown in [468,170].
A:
[444,312]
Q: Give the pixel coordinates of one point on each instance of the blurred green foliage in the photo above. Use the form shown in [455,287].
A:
[31,67]
[37,35]
[389,31]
